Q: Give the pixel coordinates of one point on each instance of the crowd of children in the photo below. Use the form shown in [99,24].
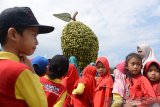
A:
[57,82]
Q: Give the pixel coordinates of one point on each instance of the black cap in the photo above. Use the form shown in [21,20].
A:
[21,16]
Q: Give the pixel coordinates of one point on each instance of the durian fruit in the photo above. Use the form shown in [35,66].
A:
[78,40]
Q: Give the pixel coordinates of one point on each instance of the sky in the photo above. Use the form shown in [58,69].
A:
[120,25]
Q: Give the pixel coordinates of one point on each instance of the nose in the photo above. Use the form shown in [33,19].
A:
[135,66]
[152,72]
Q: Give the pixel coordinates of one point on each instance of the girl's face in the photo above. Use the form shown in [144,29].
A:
[101,69]
[134,66]
[140,52]
[153,73]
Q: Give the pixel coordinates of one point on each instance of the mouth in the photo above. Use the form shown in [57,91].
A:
[135,71]
[152,77]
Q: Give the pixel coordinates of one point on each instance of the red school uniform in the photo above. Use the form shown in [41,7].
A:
[139,91]
[53,90]
[8,80]
[103,90]
[19,87]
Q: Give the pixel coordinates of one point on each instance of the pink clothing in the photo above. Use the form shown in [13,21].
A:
[119,79]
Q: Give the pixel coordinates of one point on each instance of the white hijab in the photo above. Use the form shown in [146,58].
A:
[148,53]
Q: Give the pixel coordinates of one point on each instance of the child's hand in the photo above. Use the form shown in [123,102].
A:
[129,105]
[26,61]
[74,92]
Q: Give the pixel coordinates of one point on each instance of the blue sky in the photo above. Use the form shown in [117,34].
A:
[120,25]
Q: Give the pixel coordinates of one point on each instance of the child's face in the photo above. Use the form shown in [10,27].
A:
[101,69]
[153,73]
[28,41]
[134,66]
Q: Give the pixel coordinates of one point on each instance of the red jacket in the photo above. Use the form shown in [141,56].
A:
[103,90]
[140,90]
[8,77]
[53,91]
[156,88]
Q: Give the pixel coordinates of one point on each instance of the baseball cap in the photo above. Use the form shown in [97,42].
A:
[21,17]
[41,62]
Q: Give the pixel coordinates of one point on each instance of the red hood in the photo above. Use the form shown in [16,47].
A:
[145,70]
[105,63]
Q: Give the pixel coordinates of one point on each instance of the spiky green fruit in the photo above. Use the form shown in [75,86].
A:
[80,41]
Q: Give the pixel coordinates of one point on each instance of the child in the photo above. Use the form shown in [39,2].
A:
[103,90]
[152,72]
[84,92]
[119,85]
[139,92]
[68,82]
[18,37]
[40,65]
[54,90]
[73,60]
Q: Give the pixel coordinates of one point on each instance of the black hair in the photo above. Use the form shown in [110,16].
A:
[38,71]
[132,55]
[4,32]
[155,64]
[59,65]
[129,56]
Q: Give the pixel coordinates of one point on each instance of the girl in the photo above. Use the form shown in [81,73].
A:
[68,82]
[103,90]
[119,85]
[152,72]
[73,60]
[83,94]
[139,92]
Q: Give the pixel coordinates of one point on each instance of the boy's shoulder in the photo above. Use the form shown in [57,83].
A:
[15,65]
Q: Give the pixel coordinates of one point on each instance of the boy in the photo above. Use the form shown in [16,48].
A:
[19,86]
[40,65]
[55,91]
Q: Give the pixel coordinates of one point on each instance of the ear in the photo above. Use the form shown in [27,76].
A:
[12,34]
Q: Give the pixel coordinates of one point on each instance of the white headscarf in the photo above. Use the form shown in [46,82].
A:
[148,53]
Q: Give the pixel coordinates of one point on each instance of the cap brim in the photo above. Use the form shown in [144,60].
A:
[44,29]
